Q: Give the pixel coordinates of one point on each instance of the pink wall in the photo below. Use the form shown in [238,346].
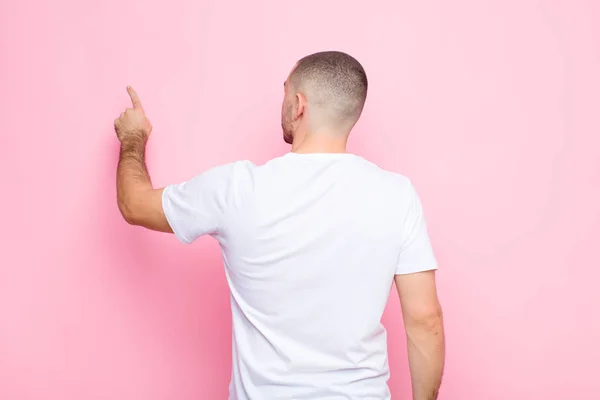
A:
[492,107]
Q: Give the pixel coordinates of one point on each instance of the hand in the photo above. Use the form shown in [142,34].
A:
[133,123]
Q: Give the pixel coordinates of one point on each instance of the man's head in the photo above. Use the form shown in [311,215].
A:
[325,92]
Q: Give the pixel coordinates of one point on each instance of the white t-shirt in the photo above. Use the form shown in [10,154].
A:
[311,244]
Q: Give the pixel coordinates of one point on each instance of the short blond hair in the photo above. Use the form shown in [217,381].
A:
[334,81]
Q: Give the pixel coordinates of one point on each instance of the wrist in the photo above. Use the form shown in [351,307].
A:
[134,142]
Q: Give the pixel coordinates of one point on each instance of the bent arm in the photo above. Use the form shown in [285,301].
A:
[138,202]
[424,326]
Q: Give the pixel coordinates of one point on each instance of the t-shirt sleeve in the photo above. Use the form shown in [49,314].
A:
[416,252]
[198,206]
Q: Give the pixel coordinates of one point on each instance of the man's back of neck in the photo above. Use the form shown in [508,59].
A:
[320,143]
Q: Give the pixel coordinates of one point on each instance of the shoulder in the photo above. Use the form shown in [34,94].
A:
[230,171]
[232,167]
[236,177]
[385,179]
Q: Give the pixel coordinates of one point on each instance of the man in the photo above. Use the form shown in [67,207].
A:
[312,242]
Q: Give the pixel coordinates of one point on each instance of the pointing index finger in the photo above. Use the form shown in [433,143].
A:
[135,100]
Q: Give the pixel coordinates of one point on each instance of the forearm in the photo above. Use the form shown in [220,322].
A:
[132,175]
[426,353]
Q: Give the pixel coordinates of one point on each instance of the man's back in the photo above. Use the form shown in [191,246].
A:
[311,245]
[311,242]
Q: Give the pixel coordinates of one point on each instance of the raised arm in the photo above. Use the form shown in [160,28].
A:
[424,326]
[139,203]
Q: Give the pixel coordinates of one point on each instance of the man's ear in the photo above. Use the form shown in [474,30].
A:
[300,105]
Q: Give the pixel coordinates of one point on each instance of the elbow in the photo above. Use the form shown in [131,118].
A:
[130,220]
[428,319]
[127,211]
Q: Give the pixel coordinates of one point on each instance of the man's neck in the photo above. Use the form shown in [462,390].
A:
[319,143]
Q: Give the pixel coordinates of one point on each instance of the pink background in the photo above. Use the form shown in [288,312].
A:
[492,108]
